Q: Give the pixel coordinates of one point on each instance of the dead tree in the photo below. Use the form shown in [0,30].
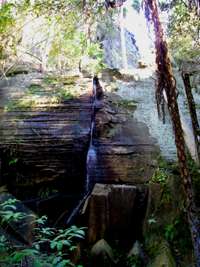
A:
[166,84]
[114,3]
[192,110]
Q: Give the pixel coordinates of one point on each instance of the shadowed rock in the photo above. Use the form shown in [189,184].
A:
[112,212]
[44,131]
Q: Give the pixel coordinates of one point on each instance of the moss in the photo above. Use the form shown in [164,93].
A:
[195,175]
[129,104]
[35,89]
[50,80]
[65,80]
[166,216]
[71,80]
[64,94]
[21,104]
[163,256]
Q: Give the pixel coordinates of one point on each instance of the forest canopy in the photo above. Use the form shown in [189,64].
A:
[68,31]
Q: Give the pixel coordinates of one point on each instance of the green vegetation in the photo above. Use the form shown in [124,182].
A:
[129,104]
[184,28]
[167,219]
[160,176]
[51,90]
[68,28]
[51,246]
[134,261]
[21,104]
[35,89]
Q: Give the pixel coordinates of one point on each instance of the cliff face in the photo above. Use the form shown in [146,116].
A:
[109,34]
[140,86]
[44,132]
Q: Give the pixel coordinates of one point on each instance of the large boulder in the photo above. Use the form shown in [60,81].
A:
[102,254]
[125,150]
[112,213]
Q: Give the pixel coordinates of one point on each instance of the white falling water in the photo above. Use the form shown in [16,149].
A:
[91,159]
[123,41]
[90,162]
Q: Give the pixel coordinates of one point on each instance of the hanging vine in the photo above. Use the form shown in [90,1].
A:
[166,85]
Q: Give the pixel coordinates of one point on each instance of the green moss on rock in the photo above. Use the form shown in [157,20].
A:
[163,256]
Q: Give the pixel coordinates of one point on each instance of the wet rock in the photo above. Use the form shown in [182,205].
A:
[111,212]
[102,254]
[135,250]
[136,256]
[163,257]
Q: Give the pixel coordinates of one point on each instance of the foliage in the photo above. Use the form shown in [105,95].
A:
[51,246]
[67,28]
[12,14]
[178,235]
[134,261]
[184,33]
[8,212]
[7,22]
[170,230]
[160,176]
[129,104]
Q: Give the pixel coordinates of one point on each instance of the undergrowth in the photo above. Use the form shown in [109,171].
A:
[50,247]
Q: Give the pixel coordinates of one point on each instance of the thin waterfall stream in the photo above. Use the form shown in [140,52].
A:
[91,154]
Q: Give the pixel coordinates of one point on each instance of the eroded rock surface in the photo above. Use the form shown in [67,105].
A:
[44,130]
[125,151]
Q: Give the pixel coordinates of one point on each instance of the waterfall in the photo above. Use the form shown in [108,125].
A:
[123,41]
[91,159]
[91,154]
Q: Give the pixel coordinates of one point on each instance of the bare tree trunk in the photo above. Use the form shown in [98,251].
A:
[166,83]
[192,110]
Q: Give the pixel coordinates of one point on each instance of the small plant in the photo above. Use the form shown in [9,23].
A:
[134,261]
[46,192]
[8,212]
[171,231]
[51,246]
[160,176]
[13,161]
[152,220]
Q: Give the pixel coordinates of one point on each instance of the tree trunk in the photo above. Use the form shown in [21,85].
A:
[192,110]
[166,83]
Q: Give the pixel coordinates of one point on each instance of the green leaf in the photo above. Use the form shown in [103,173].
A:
[59,245]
